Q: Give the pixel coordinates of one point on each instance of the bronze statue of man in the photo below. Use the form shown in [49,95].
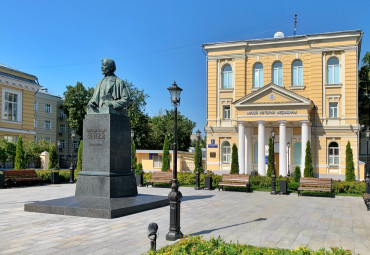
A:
[110,91]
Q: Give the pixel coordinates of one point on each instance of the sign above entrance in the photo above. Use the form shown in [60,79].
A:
[267,112]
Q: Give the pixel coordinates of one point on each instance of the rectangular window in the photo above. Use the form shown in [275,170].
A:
[62,144]
[62,114]
[226,112]
[11,105]
[75,144]
[47,108]
[333,110]
[157,161]
[47,124]
[226,154]
[47,139]
[62,128]
[35,106]
[10,138]
[35,123]
[297,76]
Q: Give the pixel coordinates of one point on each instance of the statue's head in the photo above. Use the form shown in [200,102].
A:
[108,66]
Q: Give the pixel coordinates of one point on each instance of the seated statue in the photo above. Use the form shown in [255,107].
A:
[111,94]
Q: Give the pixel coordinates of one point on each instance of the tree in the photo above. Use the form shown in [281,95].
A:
[133,156]
[163,125]
[270,158]
[32,153]
[74,105]
[79,156]
[198,162]
[350,165]
[9,149]
[19,155]
[364,91]
[308,168]
[234,160]
[53,157]
[297,173]
[166,155]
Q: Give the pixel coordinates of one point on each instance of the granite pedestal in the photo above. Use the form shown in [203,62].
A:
[106,186]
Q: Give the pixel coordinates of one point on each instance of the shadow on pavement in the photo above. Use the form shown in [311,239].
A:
[214,229]
[186,198]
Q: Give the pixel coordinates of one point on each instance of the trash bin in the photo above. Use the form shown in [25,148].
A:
[208,182]
[283,187]
[2,179]
[54,177]
[139,180]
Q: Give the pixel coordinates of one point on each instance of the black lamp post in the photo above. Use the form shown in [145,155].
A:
[71,169]
[132,156]
[175,195]
[273,177]
[288,146]
[367,143]
[367,166]
[197,173]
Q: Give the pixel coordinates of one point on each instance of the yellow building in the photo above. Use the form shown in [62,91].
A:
[303,87]
[17,102]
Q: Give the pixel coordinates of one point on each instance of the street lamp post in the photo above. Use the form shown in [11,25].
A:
[288,146]
[197,173]
[175,195]
[367,143]
[367,166]
[71,169]
[273,177]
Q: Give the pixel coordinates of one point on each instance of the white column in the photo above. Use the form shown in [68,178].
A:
[304,139]
[248,150]
[241,147]
[282,149]
[261,148]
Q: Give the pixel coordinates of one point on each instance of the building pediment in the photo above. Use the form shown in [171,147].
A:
[272,96]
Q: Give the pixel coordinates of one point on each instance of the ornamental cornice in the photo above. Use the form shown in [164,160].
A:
[19,84]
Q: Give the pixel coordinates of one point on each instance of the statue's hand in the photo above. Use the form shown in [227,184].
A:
[108,103]
[92,105]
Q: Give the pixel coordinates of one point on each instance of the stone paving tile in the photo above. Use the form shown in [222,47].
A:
[283,221]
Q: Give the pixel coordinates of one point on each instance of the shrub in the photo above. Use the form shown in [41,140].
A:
[308,168]
[63,175]
[198,158]
[139,169]
[166,155]
[270,158]
[350,166]
[297,173]
[53,158]
[79,156]
[133,156]
[234,160]
[19,155]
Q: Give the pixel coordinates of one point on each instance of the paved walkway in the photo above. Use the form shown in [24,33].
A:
[256,218]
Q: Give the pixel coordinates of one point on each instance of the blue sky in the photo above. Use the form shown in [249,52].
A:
[153,42]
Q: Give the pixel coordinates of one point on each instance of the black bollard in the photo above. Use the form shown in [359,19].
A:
[152,235]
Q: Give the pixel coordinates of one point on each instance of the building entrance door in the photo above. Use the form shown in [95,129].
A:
[276,159]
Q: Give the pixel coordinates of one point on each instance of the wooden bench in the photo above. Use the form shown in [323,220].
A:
[234,180]
[159,177]
[366,197]
[21,176]
[315,184]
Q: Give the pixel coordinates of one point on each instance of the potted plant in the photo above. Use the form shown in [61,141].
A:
[283,183]
[54,176]
[208,180]
[139,175]
[2,179]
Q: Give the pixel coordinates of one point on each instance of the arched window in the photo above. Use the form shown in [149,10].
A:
[277,71]
[333,70]
[226,152]
[333,154]
[227,74]
[297,73]
[258,75]
[255,153]
[297,151]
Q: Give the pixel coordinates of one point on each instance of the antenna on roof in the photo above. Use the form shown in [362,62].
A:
[295,24]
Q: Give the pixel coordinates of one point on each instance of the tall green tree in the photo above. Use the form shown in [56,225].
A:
[198,162]
[234,160]
[53,157]
[32,153]
[297,173]
[133,156]
[270,158]
[166,155]
[79,156]
[163,125]
[350,165]
[364,91]
[74,105]
[19,155]
[308,168]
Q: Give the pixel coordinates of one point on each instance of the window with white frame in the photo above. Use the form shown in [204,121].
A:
[277,70]
[47,124]
[62,114]
[333,70]
[62,128]
[226,112]
[297,149]
[297,73]
[11,138]
[226,152]
[47,108]
[227,77]
[255,153]
[157,161]
[11,105]
[35,123]
[333,154]
[62,144]
[333,110]
[258,75]
[35,106]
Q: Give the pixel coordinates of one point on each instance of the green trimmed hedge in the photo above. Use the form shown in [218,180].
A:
[217,246]
[63,175]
